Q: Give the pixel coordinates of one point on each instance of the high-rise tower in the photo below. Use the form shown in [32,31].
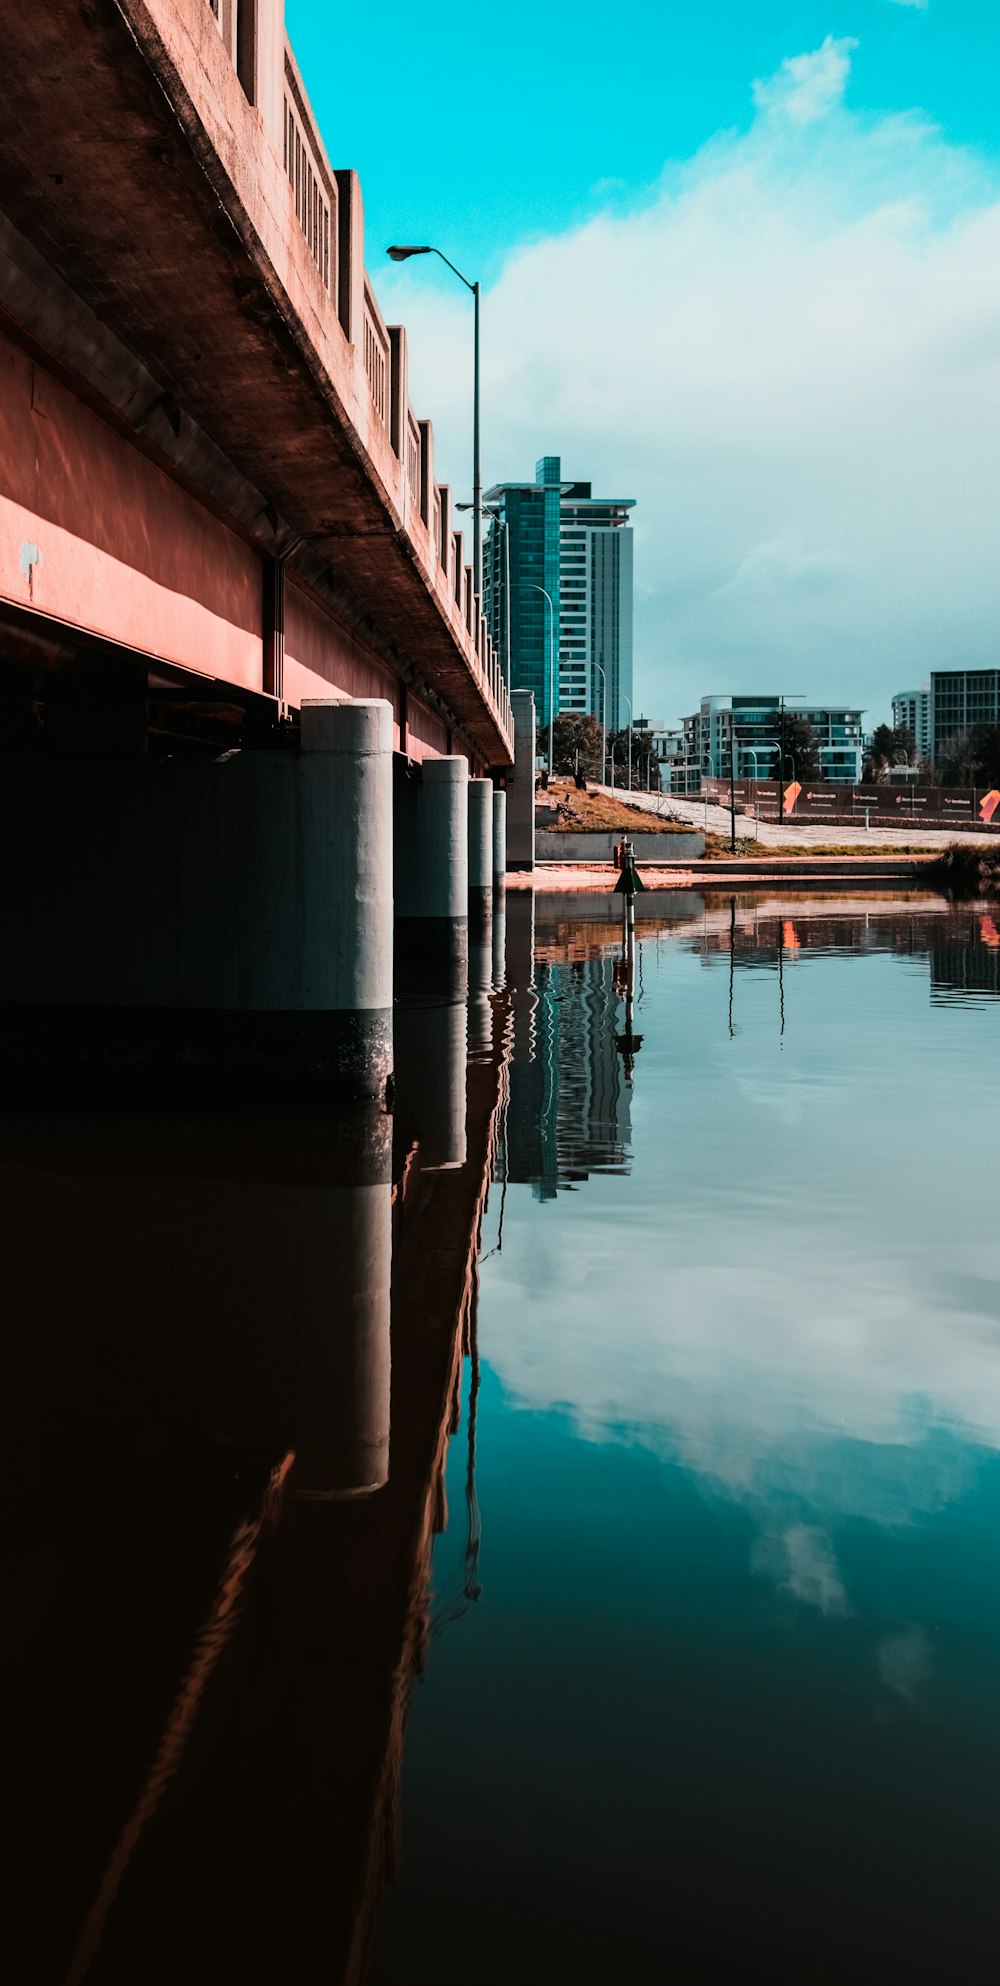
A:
[553,537]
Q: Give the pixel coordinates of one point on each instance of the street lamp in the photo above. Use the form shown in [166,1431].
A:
[401,252]
[751,754]
[604,720]
[781,790]
[552,661]
[711,774]
[626,700]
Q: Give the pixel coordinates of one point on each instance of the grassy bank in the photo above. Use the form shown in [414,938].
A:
[967,871]
[717,849]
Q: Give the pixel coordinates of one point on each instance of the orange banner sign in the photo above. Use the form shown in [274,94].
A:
[990,805]
[791,795]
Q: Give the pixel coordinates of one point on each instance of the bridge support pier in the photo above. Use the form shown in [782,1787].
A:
[499,837]
[480,853]
[208,918]
[431,870]
[521,820]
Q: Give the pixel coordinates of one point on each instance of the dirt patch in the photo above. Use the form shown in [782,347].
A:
[570,812]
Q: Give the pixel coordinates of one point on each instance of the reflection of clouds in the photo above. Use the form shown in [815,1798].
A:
[801,1560]
[796,1294]
[850,1382]
[905,1661]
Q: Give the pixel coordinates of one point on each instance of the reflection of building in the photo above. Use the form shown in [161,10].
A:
[569,1109]
[554,537]
[752,725]
[966,964]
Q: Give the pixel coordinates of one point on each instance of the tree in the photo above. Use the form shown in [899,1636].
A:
[956,759]
[618,746]
[576,737]
[988,755]
[971,758]
[801,747]
[888,747]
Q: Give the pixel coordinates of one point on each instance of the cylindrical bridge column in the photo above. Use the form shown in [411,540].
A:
[499,837]
[521,824]
[344,872]
[431,872]
[480,851]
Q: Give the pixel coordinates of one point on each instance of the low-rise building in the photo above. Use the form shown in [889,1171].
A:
[962,700]
[745,732]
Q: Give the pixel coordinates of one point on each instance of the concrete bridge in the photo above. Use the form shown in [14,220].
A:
[238,633]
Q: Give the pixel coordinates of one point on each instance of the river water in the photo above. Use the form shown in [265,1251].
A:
[658,1636]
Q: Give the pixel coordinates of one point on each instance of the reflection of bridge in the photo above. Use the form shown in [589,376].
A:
[225,1574]
[218,507]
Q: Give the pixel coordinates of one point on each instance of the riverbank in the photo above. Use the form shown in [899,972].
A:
[739,872]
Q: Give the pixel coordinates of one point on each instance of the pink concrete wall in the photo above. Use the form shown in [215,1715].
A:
[321,655]
[95,534]
[426,734]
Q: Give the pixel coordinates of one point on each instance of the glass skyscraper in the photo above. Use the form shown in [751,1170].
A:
[553,537]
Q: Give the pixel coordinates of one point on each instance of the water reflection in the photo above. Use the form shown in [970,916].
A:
[685,1503]
[740,1454]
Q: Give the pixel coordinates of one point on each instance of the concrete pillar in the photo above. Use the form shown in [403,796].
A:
[430,1090]
[499,837]
[480,851]
[208,918]
[521,791]
[341,861]
[431,876]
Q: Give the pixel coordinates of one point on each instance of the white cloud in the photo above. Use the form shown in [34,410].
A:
[922,4]
[789,352]
[807,86]
[785,565]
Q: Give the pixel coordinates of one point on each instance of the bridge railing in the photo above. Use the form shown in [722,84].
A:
[331,294]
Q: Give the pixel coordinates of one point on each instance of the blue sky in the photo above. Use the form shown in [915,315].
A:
[574,99]
[741,262]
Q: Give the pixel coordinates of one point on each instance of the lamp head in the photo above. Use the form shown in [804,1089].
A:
[401,252]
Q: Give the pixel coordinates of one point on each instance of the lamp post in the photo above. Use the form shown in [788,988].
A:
[401,252]
[552,661]
[781,790]
[711,774]
[604,720]
[626,701]
[751,754]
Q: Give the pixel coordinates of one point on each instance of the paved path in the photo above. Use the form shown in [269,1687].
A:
[798,834]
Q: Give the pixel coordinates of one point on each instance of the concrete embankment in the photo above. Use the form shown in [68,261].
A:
[576,845]
[742,872]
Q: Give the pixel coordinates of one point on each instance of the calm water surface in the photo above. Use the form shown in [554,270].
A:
[677,1658]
